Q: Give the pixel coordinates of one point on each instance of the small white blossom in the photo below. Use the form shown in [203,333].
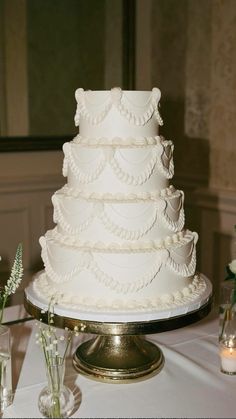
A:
[50,341]
[14,280]
[16,273]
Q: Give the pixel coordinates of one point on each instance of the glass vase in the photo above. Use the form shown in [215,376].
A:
[56,400]
[227,332]
[6,394]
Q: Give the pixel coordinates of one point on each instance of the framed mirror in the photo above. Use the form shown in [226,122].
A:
[47,50]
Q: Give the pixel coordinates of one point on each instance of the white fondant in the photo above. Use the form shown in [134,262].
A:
[113,309]
[121,270]
[123,170]
[131,109]
[118,221]
[119,245]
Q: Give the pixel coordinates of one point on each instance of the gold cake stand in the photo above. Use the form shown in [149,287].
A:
[119,353]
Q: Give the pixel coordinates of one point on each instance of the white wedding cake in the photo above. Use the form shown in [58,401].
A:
[120,246]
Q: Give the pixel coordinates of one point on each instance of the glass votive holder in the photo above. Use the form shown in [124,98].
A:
[228,356]
[227,314]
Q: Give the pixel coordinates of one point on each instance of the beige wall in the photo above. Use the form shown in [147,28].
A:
[193,60]
[189,52]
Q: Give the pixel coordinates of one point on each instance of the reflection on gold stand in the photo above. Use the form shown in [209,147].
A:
[118,358]
[119,354]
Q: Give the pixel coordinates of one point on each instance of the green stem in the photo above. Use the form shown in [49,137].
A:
[1,371]
[67,346]
[55,386]
[3,306]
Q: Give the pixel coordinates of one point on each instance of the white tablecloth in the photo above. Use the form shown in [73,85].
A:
[190,385]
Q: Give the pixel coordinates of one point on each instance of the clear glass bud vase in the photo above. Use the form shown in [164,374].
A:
[6,394]
[227,332]
[56,400]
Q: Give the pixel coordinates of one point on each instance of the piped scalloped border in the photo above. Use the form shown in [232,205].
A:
[159,159]
[129,142]
[99,211]
[135,246]
[186,295]
[116,98]
[118,197]
[164,258]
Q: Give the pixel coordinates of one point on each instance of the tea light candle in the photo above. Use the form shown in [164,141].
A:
[228,358]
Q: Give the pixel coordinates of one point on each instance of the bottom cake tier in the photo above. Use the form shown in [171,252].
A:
[37,294]
[150,280]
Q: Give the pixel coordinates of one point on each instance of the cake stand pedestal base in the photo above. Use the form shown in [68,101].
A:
[118,358]
[119,353]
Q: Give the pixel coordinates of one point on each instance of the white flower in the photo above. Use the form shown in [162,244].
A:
[232,266]
[14,280]
[16,273]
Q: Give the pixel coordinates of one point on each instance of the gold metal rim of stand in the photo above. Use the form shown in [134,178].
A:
[121,328]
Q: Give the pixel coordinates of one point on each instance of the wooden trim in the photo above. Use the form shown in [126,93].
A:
[18,144]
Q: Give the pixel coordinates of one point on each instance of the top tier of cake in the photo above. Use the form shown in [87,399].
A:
[117,113]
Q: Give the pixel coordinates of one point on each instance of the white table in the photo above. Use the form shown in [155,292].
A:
[190,384]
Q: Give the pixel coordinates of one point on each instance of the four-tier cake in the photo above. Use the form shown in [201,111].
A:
[120,247]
